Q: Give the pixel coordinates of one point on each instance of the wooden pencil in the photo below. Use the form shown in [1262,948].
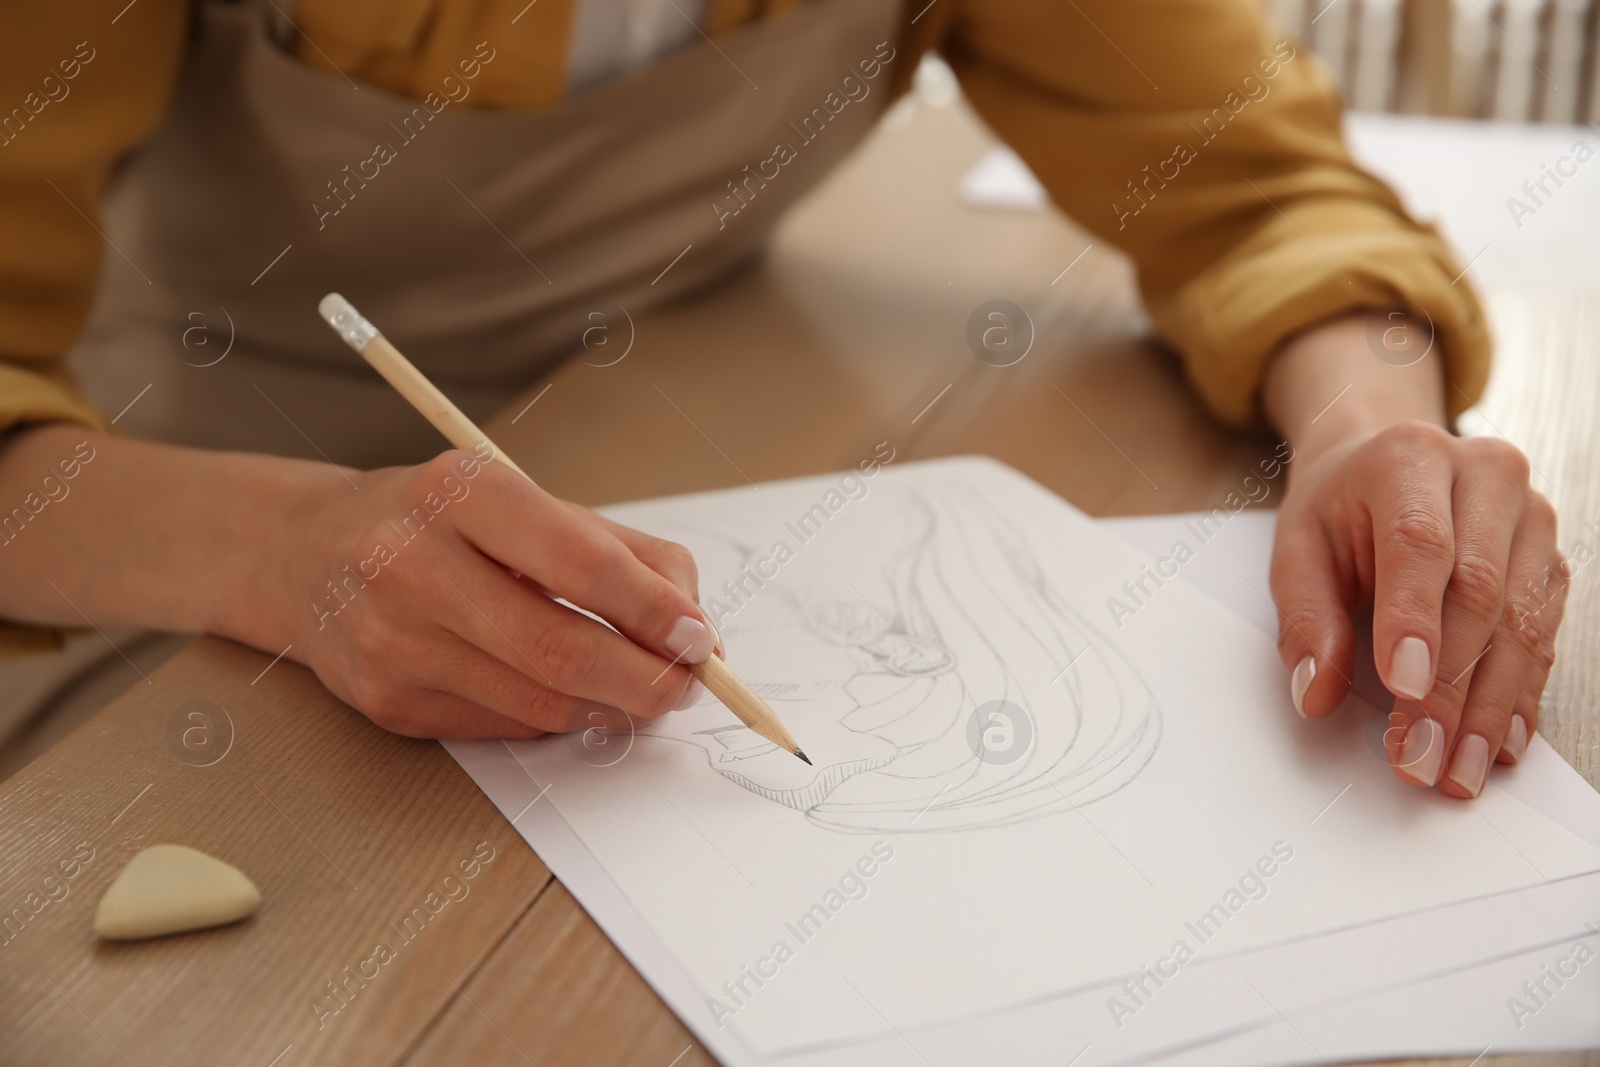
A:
[462,432]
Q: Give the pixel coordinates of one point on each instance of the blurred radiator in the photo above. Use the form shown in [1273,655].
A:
[1518,60]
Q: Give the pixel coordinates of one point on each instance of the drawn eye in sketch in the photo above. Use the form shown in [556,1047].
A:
[945,609]
[859,625]
[846,623]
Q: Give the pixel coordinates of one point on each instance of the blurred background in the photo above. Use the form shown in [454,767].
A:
[1514,60]
[1458,104]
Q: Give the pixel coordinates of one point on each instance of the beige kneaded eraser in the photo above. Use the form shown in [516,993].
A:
[168,889]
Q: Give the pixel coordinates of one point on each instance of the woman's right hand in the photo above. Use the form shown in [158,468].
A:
[424,597]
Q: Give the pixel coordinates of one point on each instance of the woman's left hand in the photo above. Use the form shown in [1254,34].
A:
[1456,552]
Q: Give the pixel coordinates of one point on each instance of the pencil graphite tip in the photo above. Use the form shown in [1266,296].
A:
[803,756]
[346,321]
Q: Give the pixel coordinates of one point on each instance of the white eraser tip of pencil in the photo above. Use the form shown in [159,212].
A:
[346,321]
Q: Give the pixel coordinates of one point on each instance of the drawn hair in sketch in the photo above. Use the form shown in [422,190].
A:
[882,678]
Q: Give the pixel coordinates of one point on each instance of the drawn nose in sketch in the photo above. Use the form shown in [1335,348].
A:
[881,669]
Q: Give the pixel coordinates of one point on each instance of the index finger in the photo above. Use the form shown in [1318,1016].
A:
[574,555]
[664,557]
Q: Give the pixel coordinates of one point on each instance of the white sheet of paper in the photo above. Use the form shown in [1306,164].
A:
[1000,179]
[1039,876]
[1449,1006]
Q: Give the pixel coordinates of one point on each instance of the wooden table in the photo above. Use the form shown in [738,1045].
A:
[851,333]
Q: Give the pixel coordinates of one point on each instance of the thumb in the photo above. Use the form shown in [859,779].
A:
[1316,638]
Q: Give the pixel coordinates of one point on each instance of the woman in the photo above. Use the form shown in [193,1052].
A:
[356,146]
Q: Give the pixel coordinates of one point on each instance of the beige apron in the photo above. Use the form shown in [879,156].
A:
[478,240]
[478,247]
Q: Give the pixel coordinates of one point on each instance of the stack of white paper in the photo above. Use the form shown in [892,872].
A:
[1061,807]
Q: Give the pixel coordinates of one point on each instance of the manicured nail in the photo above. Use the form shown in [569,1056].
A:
[717,645]
[1409,669]
[691,640]
[1469,767]
[1300,681]
[691,695]
[1423,750]
[1516,742]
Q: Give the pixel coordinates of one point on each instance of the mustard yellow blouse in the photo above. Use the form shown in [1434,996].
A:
[1187,135]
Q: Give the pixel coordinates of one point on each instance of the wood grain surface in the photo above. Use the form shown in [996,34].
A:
[851,332]
[347,830]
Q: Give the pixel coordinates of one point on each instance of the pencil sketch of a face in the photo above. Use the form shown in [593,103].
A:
[881,674]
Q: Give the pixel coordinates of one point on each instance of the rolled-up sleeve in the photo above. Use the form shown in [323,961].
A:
[1209,150]
[77,91]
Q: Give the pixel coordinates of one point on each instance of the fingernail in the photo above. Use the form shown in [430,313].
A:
[1423,750]
[1304,675]
[717,646]
[1469,767]
[691,695]
[691,640]
[1408,669]
[1516,742]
